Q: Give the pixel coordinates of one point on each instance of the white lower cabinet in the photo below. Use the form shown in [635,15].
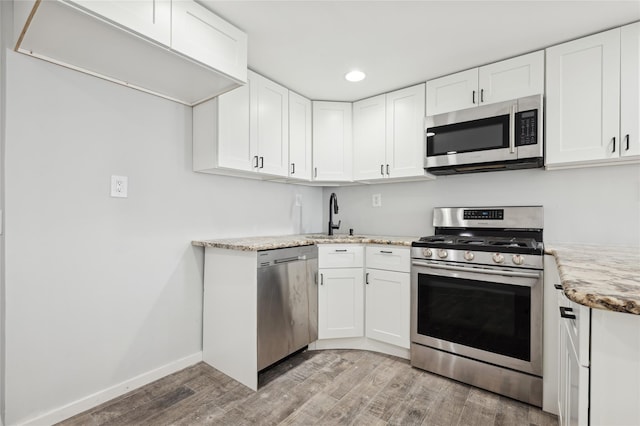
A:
[340,291]
[598,365]
[340,303]
[387,306]
[364,298]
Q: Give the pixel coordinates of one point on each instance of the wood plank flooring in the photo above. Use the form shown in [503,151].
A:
[332,387]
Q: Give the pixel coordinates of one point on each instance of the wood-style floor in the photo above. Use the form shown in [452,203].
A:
[333,387]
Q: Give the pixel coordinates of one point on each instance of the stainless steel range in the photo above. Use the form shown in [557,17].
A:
[476,299]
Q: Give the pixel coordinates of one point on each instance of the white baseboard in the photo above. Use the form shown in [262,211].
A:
[90,401]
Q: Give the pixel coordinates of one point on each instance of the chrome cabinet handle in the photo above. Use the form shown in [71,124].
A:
[614,144]
[512,129]
[566,313]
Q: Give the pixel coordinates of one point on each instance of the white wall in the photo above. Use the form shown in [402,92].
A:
[589,205]
[100,289]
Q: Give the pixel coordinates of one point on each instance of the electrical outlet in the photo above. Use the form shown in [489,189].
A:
[376,200]
[119,186]
[298,200]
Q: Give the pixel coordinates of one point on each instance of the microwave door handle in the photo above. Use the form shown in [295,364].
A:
[512,129]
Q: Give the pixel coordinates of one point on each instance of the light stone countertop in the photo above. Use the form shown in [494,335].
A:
[275,242]
[600,277]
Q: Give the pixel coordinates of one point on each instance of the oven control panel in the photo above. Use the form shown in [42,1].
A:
[526,128]
[484,214]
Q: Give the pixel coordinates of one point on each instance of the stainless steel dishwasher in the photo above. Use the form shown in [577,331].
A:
[287,302]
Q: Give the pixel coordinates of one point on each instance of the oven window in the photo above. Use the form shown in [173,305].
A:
[489,316]
[476,135]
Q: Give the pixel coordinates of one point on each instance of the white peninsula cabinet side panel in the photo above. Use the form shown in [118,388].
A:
[615,368]
[151,18]
[300,148]
[229,319]
[405,151]
[583,99]
[369,138]
[332,141]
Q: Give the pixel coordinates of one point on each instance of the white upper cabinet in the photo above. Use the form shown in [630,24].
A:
[332,141]
[269,125]
[221,133]
[452,92]
[501,81]
[630,90]
[174,49]
[199,34]
[151,18]
[388,135]
[369,138]
[244,130]
[405,133]
[586,122]
[299,137]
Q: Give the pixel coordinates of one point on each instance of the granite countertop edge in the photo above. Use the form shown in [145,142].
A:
[276,242]
[610,282]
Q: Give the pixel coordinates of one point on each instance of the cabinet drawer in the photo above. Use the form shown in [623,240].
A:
[340,256]
[388,258]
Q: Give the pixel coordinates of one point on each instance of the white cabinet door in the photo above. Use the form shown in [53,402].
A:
[340,303]
[150,18]
[405,148]
[387,306]
[332,141]
[511,79]
[630,90]
[369,138]
[199,34]
[270,122]
[453,92]
[299,137]
[582,99]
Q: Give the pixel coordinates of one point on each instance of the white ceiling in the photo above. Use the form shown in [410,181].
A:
[308,46]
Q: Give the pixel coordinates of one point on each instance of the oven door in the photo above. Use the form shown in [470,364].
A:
[489,314]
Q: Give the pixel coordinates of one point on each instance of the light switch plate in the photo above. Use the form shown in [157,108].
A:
[119,186]
[376,200]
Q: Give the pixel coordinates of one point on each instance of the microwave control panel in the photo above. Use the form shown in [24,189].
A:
[527,127]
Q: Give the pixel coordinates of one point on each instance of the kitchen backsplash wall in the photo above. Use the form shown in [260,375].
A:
[101,290]
[588,205]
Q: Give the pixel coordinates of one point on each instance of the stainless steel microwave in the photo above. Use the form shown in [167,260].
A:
[502,136]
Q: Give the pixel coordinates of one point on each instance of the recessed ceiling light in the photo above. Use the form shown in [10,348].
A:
[355,75]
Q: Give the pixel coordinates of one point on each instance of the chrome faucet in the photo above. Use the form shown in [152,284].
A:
[333,208]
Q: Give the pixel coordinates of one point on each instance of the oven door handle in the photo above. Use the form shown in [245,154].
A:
[479,271]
